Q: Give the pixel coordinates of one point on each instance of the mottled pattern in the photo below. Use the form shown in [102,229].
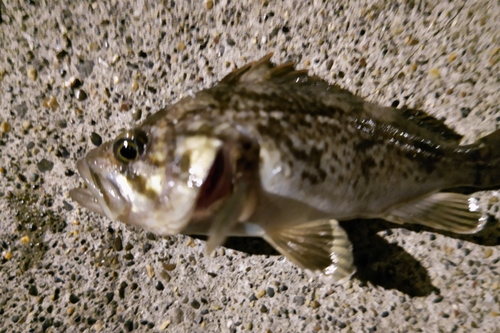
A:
[324,146]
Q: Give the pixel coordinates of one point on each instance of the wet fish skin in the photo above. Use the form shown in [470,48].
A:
[273,152]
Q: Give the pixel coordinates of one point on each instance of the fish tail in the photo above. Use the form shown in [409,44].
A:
[487,161]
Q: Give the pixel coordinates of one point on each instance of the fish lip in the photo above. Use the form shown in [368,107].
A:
[84,170]
[94,196]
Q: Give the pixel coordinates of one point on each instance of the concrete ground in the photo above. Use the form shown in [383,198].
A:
[73,73]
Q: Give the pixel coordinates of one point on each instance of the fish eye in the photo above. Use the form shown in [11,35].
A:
[130,148]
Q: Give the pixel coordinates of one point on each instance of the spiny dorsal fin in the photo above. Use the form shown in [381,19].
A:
[264,70]
[430,123]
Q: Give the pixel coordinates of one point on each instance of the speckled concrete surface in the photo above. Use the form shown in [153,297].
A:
[73,73]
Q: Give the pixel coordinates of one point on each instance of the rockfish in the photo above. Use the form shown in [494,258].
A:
[275,153]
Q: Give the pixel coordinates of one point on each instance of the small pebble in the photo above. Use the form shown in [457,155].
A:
[329,64]
[93,46]
[150,270]
[50,102]
[124,107]
[434,73]
[33,177]
[195,304]
[32,290]
[438,299]
[25,239]
[136,114]
[96,139]
[26,125]
[300,300]
[165,324]
[32,74]
[109,297]
[45,165]
[177,316]
[146,247]
[80,94]
[209,5]
[117,244]
[190,242]
[413,41]
[168,267]
[159,286]
[260,293]
[62,123]
[74,299]
[5,127]
[73,83]
[7,255]
[270,292]
[181,46]
[134,86]
[165,276]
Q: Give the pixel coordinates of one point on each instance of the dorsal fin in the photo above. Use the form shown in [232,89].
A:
[430,123]
[264,70]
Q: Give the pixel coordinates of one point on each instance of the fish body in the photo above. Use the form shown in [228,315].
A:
[275,153]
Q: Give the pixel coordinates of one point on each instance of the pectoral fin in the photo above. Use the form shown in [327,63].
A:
[225,219]
[446,211]
[319,246]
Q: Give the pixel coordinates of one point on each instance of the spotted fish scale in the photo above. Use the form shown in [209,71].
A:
[275,153]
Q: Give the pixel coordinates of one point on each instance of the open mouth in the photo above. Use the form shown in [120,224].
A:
[218,183]
[86,197]
[101,196]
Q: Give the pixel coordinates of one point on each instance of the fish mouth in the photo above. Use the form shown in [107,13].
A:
[96,196]
[218,183]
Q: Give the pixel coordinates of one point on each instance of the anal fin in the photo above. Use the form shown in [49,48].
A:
[453,212]
[320,246]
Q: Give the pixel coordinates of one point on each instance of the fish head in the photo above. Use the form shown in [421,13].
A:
[147,179]
[151,178]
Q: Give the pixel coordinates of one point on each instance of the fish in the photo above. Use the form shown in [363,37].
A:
[273,152]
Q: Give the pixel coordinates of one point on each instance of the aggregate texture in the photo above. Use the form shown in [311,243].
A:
[75,73]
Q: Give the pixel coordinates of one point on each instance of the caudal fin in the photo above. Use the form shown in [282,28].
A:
[488,161]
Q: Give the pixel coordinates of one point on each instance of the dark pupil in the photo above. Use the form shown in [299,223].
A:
[130,148]
[128,151]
